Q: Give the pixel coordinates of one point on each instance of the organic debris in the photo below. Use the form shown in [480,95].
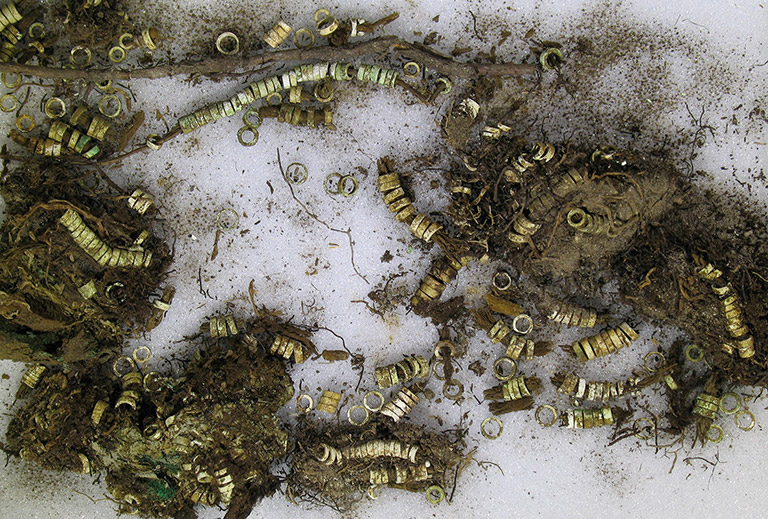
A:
[166,443]
[78,266]
[339,465]
[571,218]
[82,267]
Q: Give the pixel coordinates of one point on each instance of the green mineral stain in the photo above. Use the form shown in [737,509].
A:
[161,490]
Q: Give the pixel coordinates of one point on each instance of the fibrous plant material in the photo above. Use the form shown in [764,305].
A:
[332,466]
[681,292]
[457,127]
[571,217]
[558,216]
[519,196]
[511,406]
[169,442]
[501,305]
[515,394]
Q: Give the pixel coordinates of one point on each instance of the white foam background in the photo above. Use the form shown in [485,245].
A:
[303,269]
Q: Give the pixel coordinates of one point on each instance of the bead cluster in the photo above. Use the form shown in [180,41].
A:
[731,306]
[605,342]
[414,366]
[400,405]
[289,349]
[102,253]
[573,315]
[588,418]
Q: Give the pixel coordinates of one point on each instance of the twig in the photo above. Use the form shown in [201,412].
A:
[474,26]
[689,459]
[343,342]
[94,501]
[482,465]
[222,65]
[215,251]
[369,307]
[200,288]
